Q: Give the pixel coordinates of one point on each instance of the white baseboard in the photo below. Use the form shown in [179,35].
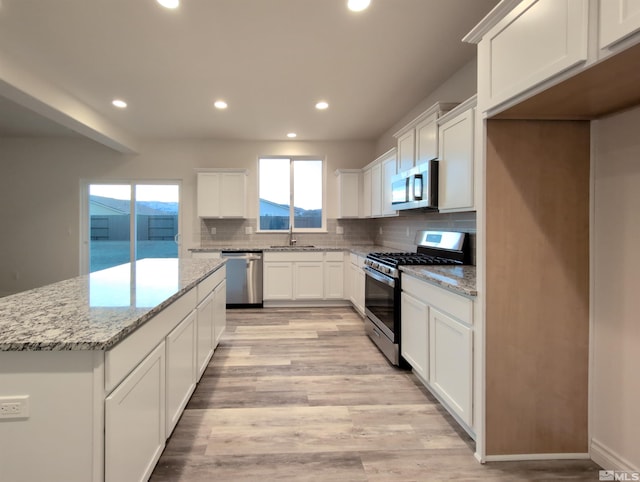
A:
[516,457]
[608,459]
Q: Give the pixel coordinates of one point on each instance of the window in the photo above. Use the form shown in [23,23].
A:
[291,194]
[129,221]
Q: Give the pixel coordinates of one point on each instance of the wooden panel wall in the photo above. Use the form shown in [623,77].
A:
[537,304]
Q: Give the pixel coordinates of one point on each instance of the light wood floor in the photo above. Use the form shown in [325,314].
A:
[303,395]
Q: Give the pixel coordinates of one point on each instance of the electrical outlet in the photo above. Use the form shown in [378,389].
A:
[380,230]
[339,230]
[213,230]
[248,230]
[14,407]
[407,232]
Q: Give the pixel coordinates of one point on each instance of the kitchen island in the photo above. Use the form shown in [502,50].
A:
[96,370]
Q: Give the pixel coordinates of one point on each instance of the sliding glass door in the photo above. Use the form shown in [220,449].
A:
[131,221]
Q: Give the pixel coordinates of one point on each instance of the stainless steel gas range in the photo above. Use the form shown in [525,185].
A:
[383,284]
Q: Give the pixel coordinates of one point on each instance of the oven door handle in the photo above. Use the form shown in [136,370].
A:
[380,277]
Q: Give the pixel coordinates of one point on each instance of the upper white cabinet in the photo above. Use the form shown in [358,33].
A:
[618,20]
[456,159]
[349,182]
[377,185]
[406,150]
[418,140]
[222,193]
[534,42]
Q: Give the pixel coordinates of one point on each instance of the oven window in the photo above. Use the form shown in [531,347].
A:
[379,300]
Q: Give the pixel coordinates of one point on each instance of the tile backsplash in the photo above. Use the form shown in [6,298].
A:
[395,232]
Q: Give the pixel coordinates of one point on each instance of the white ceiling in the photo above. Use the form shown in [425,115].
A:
[271,60]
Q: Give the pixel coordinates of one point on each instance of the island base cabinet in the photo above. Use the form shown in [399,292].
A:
[180,369]
[205,331]
[135,421]
[451,363]
[219,312]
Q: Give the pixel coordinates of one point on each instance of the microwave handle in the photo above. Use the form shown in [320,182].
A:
[417,187]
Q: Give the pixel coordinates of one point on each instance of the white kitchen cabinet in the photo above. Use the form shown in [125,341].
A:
[406,150]
[135,421]
[278,279]
[415,334]
[388,167]
[308,281]
[222,193]
[334,275]
[181,370]
[456,159]
[619,19]
[205,330]
[451,363]
[219,312]
[377,185]
[349,192]
[376,190]
[356,289]
[426,139]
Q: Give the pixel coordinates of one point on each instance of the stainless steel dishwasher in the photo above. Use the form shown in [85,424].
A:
[244,278]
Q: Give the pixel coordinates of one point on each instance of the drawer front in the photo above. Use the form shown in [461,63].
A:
[334,256]
[455,305]
[293,256]
[206,286]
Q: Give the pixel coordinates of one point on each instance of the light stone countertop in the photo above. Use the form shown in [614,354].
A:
[460,279]
[96,311]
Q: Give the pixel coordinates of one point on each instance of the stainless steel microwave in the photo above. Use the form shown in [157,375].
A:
[416,188]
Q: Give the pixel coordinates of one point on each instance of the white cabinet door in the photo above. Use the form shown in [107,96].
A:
[208,194]
[415,334]
[233,194]
[181,369]
[349,193]
[388,171]
[376,190]
[219,312]
[308,280]
[406,150]
[357,283]
[334,280]
[451,363]
[278,280]
[205,333]
[366,193]
[135,421]
[533,43]
[618,19]
[427,139]
[221,194]
[455,167]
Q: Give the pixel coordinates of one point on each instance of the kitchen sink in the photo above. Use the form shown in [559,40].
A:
[293,246]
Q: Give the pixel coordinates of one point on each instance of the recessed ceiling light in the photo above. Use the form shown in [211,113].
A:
[169,3]
[291,135]
[220,104]
[322,105]
[121,104]
[358,5]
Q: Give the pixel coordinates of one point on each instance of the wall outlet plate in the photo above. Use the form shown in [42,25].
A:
[339,230]
[213,230]
[14,407]
[248,230]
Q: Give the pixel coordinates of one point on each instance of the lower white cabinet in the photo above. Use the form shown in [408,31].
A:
[181,370]
[308,280]
[303,275]
[135,421]
[219,312]
[437,341]
[205,331]
[415,334]
[356,281]
[451,363]
[278,279]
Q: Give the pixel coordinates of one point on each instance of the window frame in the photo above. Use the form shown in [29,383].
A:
[323,227]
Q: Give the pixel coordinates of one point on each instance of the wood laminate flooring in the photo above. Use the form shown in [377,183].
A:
[303,395]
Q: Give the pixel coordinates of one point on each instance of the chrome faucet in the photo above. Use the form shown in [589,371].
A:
[292,240]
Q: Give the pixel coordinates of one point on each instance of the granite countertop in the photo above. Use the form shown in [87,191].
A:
[461,279]
[96,311]
[254,249]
